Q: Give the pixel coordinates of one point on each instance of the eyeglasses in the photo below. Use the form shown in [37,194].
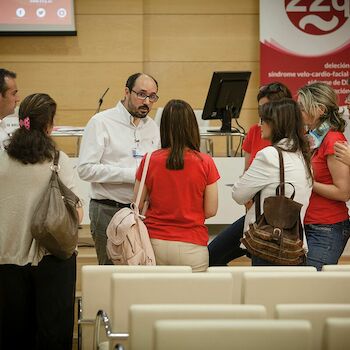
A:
[142,96]
[275,87]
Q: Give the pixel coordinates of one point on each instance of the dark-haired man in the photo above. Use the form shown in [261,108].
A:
[8,100]
[112,147]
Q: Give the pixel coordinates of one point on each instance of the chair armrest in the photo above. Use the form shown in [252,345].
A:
[102,317]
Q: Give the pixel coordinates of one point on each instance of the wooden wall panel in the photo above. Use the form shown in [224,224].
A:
[74,85]
[75,117]
[102,7]
[190,80]
[180,42]
[212,38]
[201,6]
[109,38]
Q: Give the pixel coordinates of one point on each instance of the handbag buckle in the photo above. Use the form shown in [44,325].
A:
[276,234]
[55,168]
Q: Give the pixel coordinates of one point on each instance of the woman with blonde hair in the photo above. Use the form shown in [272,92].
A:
[182,189]
[326,221]
[37,290]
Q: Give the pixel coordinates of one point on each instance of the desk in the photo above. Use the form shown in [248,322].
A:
[69,131]
[205,131]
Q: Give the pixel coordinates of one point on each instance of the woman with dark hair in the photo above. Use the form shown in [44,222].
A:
[282,124]
[182,189]
[326,222]
[37,290]
[226,245]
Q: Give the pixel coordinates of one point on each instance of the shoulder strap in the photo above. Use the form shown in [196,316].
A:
[56,157]
[281,188]
[257,205]
[143,178]
[55,166]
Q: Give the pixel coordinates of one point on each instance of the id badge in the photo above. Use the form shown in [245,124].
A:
[136,153]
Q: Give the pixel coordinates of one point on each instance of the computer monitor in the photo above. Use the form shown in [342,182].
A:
[225,98]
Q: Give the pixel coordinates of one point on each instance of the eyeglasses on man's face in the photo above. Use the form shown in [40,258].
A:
[142,96]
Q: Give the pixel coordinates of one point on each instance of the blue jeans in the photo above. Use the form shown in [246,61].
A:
[226,245]
[326,243]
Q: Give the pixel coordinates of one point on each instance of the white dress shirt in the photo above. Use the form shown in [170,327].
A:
[111,150]
[263,174]
[4,136]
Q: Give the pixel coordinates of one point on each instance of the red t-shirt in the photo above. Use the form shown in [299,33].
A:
[322,210]
[253,143]
[176,209]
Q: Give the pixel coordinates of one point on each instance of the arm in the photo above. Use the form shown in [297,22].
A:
[340,189]
[246,160]
[260,174]
[92,150]
[211,200]
[68,177]
[342,152]
[80,214]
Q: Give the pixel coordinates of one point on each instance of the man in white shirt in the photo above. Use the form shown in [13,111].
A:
[8,100]
[112,147]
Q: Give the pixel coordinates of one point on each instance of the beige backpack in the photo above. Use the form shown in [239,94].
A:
[128,241]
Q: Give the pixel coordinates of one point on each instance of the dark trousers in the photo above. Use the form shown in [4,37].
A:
[226,245]
[37,305]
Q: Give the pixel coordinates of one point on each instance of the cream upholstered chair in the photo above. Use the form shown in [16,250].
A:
[337,334]
[96,293]
[207,145]
[272,288]
[162,288]
[238,271]
[159,288]
[317,314]
[339,268]
[232,334]
[143,317]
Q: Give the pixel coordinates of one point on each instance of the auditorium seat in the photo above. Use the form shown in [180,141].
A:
[238,271]
[317,314]
[232,334]
[96,293]
[163,288]
[143,317]
[337,334]
[272,288]
[345,267]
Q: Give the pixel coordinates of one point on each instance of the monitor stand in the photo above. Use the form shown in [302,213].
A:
[226,120]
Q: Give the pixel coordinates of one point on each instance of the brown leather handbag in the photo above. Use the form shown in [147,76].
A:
[277,234]
[55,221]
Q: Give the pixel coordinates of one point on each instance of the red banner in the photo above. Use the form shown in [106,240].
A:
[303,41]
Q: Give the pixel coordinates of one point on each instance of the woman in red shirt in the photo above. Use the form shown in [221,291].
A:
[182,186]
[326,221]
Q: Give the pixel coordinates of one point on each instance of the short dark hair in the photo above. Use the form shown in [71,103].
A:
[274,91]
[3,74]
[33,144]
[178,130]
[130,83]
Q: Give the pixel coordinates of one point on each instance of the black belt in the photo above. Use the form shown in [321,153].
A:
[112,203]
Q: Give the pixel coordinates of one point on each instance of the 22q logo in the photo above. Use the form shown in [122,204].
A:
[318,17]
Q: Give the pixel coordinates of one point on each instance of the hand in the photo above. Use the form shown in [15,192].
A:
[342,152]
